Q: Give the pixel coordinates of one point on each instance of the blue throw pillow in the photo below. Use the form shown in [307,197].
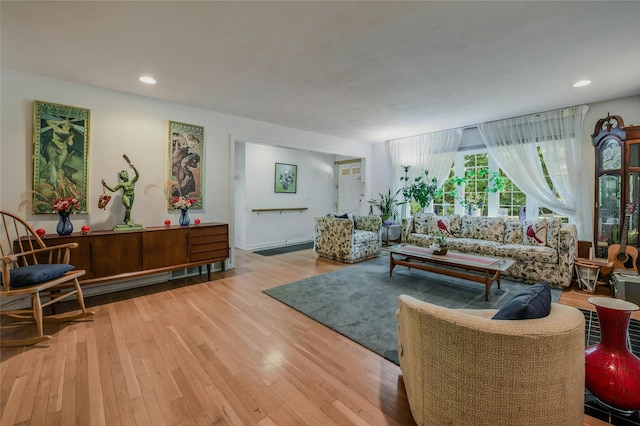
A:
[36,274]
[534,302]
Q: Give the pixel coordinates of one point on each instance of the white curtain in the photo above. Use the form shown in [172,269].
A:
[513,143]
[434,152]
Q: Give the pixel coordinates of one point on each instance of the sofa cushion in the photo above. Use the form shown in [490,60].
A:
[448,225]
[553,233]
[421,222]
[422,240]
[483,228]
[471,245]
[542,254]
[535,232]
[361,237]
[512,232]
[534,302]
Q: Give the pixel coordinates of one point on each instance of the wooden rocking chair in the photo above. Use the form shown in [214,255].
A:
[31,269]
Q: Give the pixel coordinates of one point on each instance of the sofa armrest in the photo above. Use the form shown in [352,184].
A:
[567,246]
[407,228]
[367,223]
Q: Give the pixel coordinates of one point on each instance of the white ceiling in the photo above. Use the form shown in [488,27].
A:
[366,71]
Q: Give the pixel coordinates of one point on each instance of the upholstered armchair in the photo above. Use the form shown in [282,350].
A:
[348,240]
[460,367]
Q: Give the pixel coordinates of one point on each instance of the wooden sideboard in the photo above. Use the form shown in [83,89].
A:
[117,255]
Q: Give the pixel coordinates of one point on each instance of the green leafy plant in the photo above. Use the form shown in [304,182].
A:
[422,190]
[441,240]
[496,182]
[387,204]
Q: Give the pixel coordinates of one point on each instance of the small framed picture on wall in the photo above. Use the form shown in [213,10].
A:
[186,171]
[286,178]
[60,155]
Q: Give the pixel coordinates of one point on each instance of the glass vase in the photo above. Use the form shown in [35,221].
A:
[184,218]
[612,372]
[64,227]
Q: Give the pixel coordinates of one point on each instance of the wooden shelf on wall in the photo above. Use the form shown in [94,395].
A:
[284,209]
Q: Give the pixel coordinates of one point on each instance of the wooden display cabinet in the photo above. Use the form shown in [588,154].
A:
[110,255]
[617,182]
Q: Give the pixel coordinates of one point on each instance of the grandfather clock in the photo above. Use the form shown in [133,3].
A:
[617,183]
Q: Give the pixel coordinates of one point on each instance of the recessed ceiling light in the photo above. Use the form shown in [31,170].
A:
[582,83]
[147,79]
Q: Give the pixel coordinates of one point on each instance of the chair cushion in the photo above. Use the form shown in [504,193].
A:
[534,302]
[26,276]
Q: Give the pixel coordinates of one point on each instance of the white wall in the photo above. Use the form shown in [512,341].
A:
[315,191]
[136,126]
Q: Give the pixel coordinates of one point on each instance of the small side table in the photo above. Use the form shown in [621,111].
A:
[587,272]
[390,232]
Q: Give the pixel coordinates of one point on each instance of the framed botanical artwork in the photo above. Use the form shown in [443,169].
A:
[186,172]
[60,155]
[286,178]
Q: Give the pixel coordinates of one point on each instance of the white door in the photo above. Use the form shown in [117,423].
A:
[350,191]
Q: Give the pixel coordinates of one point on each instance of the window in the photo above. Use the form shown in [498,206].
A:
[477,168]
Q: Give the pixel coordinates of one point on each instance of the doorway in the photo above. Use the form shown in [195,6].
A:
[350,186]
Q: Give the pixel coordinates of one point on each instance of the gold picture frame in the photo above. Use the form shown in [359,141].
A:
[60,155]
[186,171]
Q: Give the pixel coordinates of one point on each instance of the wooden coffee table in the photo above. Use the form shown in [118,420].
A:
[472,267]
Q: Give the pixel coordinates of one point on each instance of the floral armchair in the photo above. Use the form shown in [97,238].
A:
[348,240]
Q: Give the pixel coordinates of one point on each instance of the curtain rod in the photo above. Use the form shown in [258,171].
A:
[471,126]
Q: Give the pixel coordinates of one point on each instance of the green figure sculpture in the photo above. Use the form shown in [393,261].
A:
[128,187]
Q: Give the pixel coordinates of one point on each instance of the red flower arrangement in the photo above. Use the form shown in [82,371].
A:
[183,202]
[65,204]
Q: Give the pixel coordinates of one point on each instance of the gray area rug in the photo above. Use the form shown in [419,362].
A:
[360,301]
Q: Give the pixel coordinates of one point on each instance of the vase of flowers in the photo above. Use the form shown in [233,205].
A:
[183,203]
[64,207]
[441,246]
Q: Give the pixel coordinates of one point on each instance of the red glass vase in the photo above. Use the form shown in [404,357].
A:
[612,371]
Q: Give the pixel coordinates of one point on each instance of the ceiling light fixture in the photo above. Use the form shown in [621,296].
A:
[582,83]
[147,79]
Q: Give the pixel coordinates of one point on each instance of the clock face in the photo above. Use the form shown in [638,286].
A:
[611,155]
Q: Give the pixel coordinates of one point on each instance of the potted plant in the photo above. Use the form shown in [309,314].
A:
[475,198]
[387,204]
[422,190]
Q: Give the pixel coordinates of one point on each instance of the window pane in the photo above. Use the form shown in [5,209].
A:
[444,202]
[512,200]
[476,170]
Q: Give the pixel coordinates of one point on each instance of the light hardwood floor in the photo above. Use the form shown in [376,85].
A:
[192,352]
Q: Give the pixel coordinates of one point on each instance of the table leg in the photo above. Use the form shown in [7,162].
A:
[487,285]
[391,264]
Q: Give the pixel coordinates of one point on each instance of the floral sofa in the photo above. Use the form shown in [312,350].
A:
[350,239]
[543,249]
